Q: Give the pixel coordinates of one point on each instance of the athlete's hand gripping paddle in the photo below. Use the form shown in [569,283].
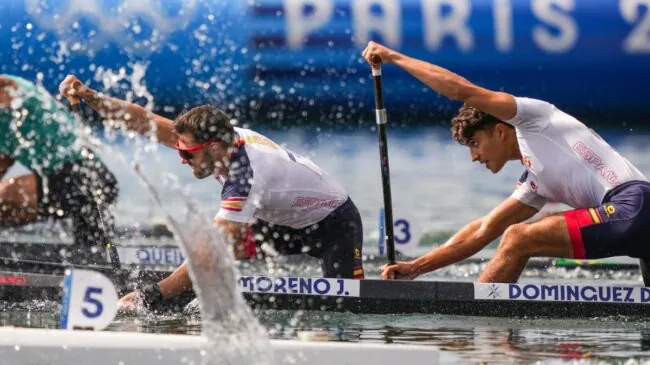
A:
[75,105]
[380,115]
[75,101]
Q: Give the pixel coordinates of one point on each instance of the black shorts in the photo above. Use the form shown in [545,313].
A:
[337,241]
[620,226]
[82,191]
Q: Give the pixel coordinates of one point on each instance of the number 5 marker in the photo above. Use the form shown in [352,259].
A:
[89,300]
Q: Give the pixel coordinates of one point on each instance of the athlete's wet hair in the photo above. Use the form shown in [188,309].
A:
[470,120]
[206,123]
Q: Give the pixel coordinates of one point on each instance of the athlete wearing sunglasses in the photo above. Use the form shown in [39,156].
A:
[186,154]
[268,191]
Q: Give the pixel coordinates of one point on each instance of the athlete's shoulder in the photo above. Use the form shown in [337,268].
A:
[7,81]
[532,114]
[30,95]
[19,83]
[255,140]
[243,132]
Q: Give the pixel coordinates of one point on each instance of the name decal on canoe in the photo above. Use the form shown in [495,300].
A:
[299,286]
[562,293]
[151,255]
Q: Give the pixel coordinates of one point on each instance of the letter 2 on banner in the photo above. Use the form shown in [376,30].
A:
[405,231]
[89,300]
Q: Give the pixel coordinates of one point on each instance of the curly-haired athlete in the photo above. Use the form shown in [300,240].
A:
[564,161]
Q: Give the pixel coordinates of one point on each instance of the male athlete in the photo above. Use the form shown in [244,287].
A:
[67,179]
[565,162]
[282,196]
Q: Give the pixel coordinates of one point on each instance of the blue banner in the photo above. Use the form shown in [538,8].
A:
[583,55]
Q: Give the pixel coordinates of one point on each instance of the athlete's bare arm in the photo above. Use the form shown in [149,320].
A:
[466,242]
[5,101]
[234,233]
[498,104]
[135,117]
[176,283]
[5,163]
[180,281]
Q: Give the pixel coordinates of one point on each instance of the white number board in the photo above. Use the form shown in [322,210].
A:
[89,300]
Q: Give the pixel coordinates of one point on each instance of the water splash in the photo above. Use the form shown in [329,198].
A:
[139,27]
[135,88]
[234,334]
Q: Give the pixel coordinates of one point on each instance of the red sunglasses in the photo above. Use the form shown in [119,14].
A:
[186,154]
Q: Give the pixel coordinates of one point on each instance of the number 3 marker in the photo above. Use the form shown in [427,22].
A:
[406,234]
[89,300]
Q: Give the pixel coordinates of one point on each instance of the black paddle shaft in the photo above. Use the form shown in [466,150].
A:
[380,113]
[75,105]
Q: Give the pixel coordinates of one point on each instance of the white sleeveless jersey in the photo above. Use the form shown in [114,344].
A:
[565,161]
[276,185]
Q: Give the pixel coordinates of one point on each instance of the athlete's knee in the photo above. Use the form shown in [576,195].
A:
[7,193]
[516,240]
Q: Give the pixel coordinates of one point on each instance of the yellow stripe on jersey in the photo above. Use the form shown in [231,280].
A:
[594,215]
[233,204]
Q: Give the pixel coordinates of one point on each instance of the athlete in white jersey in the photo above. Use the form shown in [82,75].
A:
[565,162]
[274,184]
[268,191]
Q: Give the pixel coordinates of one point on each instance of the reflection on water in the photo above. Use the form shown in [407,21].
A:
[462,340]
[481,339]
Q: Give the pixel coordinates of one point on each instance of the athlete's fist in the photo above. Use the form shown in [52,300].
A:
[401,270]
[130,302]
[72,89]
[376,54]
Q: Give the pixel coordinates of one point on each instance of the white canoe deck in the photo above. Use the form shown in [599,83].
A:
[61,347]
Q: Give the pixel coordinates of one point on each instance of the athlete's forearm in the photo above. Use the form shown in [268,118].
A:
[468,241]
[5,164]
[176,283]
[440,79]
[234,234]
[133,116]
